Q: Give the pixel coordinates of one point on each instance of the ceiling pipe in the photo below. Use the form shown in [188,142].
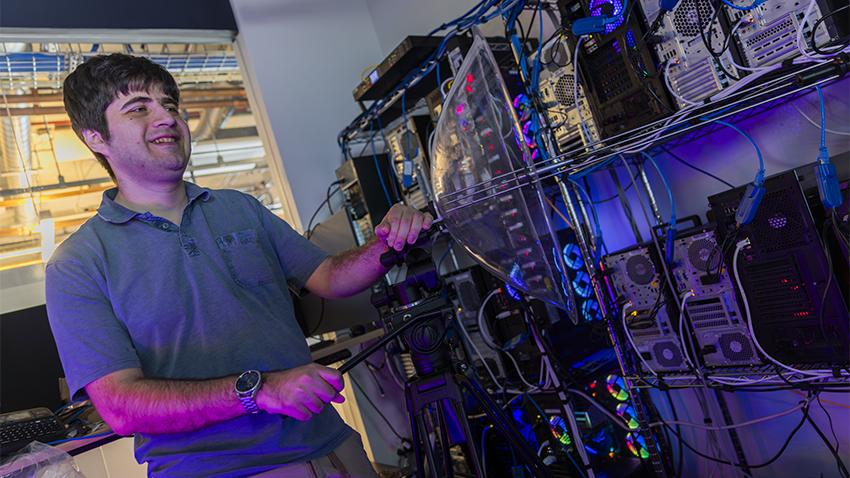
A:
[60,110]
[185,94]
[211,121]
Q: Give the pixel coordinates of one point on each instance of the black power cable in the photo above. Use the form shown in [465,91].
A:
[831,427]
[742,466]
[328,196]
[817,23]
[681,455]
[679,159]
[707,41]
[842,469]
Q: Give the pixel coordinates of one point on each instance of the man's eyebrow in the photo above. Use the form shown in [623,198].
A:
[135,99]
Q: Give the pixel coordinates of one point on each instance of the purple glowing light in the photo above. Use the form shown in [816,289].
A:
[777,221]
[597,11]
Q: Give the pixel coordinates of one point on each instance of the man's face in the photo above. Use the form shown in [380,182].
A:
[148,139]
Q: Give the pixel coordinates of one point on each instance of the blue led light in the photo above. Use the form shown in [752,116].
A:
[513,293]
[516,276]
[572,257]
[582,285]
[630,39]
[590,311]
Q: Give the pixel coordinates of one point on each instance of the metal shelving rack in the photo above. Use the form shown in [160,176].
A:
[782,84]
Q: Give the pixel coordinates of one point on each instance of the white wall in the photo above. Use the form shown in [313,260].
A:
[306,57]
[396,19]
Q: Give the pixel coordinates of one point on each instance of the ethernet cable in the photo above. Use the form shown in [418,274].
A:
[755,191]
[827,179]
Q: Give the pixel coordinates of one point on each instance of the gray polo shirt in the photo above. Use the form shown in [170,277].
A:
[204,299]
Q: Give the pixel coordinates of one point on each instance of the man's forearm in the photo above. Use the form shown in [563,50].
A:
[353,271]
[170,406]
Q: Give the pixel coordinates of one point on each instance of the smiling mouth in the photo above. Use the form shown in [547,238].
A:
[164,141]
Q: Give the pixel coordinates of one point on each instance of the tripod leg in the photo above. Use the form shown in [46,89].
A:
[442,424]
[427,422]
[472,453]
[415,418]
[503,424]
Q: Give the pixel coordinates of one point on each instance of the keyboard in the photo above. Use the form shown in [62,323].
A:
[18,429]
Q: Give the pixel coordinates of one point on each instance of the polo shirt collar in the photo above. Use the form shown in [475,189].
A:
[115,213]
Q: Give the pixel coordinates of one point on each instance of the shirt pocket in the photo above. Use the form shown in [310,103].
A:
[245,258]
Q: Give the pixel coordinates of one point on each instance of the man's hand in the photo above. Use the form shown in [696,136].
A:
[300,392]
[402,225]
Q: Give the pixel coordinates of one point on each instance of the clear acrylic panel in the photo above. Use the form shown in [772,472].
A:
[485,187]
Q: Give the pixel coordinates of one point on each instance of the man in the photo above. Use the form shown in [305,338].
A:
[170,307]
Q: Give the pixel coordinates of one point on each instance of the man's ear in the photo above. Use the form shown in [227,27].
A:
[94,140]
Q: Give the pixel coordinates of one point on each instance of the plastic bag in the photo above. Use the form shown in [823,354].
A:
[38,460]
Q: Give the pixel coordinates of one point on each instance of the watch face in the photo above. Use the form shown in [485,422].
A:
[247,381]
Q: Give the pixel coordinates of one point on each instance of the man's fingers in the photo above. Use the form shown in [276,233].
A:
[382,231]
[426,223]
[313,403]
[338,399]
[402,225]
[415,228]
[385,228]
[401,229]
[333,377]
[324,391]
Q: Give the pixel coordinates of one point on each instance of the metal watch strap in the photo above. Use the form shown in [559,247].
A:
[249,404]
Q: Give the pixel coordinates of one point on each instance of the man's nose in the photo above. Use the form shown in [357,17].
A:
[163,117]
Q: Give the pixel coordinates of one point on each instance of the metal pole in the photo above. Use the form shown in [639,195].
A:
[653,204]
[590,231]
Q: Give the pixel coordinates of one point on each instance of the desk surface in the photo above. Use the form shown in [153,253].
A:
[75,447]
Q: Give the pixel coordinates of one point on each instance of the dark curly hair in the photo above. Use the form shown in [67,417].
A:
[90,88]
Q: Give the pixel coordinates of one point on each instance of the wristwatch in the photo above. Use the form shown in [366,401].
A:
[247,386]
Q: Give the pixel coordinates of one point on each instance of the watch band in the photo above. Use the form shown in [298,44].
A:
[249,403]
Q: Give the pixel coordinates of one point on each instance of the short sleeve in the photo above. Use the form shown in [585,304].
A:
[298,256]
[92,342]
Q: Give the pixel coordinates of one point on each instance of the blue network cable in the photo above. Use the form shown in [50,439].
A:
[597,23]
[85,437]
[755,4]
[828,187]
[671,232]
[755,191]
